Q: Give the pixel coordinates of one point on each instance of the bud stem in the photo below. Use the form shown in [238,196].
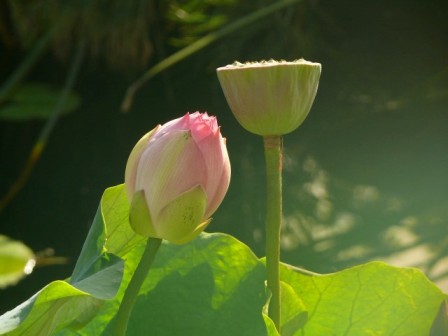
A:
[131,293]
[273,157]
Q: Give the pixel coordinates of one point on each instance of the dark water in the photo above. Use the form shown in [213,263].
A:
[365,177]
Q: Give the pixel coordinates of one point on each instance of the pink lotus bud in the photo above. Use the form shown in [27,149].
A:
[176,177]
[270,98]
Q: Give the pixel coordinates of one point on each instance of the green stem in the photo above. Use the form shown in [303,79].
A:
[130,296]
[273,157]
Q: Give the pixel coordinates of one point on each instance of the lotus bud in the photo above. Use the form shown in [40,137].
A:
[176,177]
[270,98]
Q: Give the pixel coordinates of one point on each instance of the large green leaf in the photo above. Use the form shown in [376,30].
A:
[56,306]
[36,101]
[70,304]
[213,284]
[370,299]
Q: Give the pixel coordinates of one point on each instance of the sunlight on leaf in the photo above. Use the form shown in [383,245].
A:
[120,238]
[201,285]
[293,311]
[216,285]
[56,306]
[370,299]
[70,304]
[272,331]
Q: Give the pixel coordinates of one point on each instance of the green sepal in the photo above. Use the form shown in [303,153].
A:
[182,219]
[140,217]
[201,227]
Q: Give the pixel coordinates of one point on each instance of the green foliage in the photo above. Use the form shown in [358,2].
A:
[125,34]
[192,19]
[114,31]
[70,304]
[216,285]
[36,101]
[16,260]
[213,283]
[370,299]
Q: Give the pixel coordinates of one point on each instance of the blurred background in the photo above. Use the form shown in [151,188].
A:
[365,177]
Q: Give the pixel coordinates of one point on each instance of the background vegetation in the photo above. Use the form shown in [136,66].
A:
[365,176]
